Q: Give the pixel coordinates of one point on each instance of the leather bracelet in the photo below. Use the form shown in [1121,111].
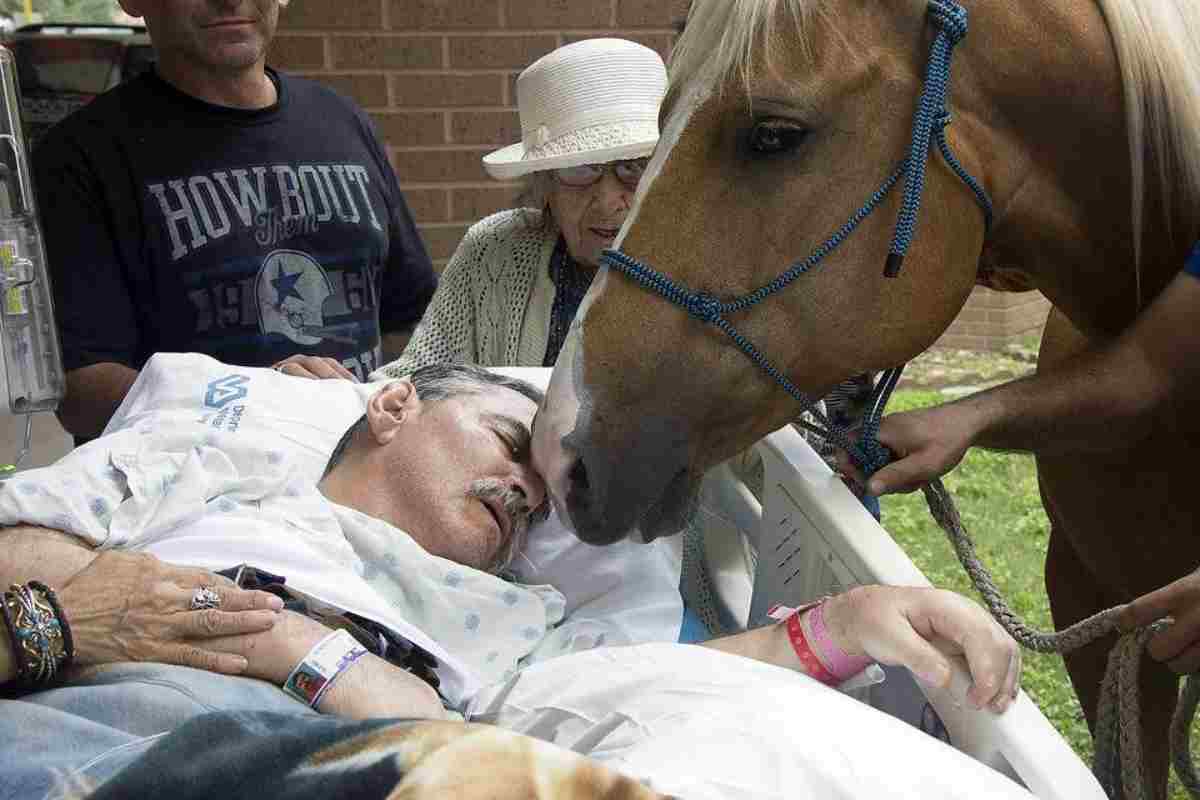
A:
[38,632]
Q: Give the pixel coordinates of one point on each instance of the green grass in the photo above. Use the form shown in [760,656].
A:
[997,496]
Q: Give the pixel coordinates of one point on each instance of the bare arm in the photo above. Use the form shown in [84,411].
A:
[33,553]
[1101,399]
[93,394]
[30,553]
[906,626]
[370,687]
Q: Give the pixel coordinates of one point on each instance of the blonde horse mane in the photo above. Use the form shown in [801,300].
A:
[1158,47]
[728,35]
[1157,44]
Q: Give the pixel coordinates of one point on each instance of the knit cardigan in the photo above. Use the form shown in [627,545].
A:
[493,301]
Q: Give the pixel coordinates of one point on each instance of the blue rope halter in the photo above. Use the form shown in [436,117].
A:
[929,126]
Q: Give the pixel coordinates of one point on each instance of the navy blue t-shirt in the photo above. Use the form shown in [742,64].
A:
[250,235]
[1192,265]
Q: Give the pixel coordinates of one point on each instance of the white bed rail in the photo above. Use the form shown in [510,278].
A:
[810,537]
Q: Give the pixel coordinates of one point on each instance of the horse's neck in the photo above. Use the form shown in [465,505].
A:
[1058,154]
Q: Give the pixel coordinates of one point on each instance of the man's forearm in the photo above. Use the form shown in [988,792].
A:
[30,553]
[374,688]
[93,394]
[1104,397]
[1090,404]
[769,644]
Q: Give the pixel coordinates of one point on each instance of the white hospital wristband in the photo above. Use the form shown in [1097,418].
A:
[317,671]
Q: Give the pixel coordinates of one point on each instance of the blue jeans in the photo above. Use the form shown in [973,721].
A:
[100,723]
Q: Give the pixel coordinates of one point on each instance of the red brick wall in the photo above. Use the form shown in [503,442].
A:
[438,78]
[990,320]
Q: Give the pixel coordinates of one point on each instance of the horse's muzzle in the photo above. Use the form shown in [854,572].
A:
[605,503]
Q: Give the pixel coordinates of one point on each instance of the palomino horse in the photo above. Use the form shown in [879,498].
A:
[1080,120]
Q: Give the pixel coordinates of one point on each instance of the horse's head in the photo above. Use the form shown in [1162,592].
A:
[783,118]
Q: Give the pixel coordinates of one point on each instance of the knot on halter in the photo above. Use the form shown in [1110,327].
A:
[704,307]
[871,456]
[951,18]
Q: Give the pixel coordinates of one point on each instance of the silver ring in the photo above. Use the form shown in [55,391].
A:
[205,597]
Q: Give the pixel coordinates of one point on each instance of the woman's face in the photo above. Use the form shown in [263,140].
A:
[590,214]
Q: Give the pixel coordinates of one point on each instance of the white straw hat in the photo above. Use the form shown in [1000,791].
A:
[590,102]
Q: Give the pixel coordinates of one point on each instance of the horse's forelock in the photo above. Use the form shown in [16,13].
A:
[736,36]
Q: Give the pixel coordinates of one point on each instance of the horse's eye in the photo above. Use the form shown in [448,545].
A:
[776,136]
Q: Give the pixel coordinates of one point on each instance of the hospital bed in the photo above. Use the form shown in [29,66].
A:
[801,535]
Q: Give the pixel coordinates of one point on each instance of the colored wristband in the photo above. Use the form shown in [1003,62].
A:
[815,649]
[843,665]
[317,671]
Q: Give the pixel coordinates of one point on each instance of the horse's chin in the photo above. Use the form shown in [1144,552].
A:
[669,515]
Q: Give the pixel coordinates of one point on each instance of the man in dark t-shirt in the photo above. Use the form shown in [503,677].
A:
[215,205]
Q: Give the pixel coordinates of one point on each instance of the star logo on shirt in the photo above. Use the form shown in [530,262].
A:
[285,286]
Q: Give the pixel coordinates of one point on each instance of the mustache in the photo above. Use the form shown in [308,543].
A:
[516,506]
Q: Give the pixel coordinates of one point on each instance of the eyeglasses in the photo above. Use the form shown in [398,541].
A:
[627,172]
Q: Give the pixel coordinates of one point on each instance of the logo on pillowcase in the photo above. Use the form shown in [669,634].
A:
[224,391]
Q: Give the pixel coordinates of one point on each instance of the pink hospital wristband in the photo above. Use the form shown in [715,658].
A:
[840,663]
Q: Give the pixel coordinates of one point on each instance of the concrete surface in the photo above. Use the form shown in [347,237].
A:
[50,442]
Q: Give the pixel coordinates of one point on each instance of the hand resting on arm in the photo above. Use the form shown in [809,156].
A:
[130,606]
[133,607]
[370,687]
[906,626]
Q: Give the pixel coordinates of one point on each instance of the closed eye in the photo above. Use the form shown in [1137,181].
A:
[513,434]
[776,136]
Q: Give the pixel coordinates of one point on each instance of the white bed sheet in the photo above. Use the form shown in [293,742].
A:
[698,723]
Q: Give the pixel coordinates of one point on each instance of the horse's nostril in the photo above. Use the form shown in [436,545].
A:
[578,476]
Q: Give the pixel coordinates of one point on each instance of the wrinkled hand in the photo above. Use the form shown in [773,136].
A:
[314,367]
[1179,645]
[926,444]
[917,628]
[133,607]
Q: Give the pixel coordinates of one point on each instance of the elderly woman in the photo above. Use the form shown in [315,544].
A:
[589,121]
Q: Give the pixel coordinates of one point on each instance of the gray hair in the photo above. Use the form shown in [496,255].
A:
[437,382]
[534,195]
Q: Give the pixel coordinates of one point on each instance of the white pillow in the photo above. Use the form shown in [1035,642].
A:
[628,587]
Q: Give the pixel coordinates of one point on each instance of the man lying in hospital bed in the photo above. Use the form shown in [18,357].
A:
[401,533]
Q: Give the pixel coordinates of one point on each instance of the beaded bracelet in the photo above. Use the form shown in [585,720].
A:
[38,632]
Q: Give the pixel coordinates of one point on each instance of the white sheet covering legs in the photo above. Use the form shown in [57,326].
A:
[697,723]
